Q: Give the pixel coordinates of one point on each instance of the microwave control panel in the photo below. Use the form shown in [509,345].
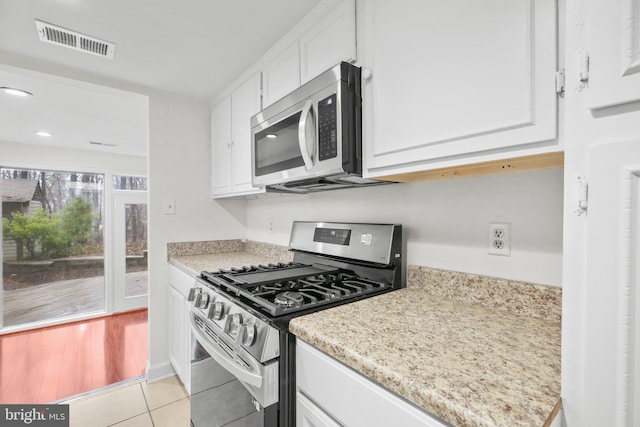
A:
[327,128]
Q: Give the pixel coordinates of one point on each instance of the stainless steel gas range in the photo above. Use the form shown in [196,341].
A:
[243,364]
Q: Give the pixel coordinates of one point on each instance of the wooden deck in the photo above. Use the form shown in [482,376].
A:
[63,298]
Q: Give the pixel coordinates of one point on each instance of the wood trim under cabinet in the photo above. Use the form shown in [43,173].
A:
[554,414]
[516,164]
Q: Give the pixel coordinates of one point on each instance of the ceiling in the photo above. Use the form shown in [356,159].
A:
[193,48]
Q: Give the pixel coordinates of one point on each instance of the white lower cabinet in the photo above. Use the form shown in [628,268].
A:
[179,329]
[308,414]
[330,394]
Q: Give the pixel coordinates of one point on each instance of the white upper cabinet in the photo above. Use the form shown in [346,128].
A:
[456,82]
[281,73]
[331,40]
[614,54]
[245,102]
[231,140]
[325,37]
[221,148]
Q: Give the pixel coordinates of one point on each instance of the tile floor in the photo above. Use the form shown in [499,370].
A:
[164,403]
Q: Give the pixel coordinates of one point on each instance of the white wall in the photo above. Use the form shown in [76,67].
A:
[180,169]
[445,222]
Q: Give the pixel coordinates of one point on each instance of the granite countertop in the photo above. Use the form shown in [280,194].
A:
[473,351]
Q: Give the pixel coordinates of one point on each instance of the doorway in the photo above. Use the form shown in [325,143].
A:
[130,249]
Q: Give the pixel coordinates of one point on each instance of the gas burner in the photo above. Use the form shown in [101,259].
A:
[289,299]
[273,287]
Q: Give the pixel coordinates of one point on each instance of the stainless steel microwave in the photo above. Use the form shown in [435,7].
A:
[311,140]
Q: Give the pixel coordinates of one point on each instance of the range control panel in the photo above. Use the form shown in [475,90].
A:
[337,236]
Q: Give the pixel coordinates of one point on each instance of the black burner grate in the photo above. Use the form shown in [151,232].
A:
[278,289]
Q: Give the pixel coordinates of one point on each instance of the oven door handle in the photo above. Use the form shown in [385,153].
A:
[304,137]
[225,361]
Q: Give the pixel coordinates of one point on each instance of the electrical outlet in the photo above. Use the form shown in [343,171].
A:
[169,206]
[500,238]
[271,226]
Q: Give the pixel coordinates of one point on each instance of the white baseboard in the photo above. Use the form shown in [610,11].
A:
[159,371]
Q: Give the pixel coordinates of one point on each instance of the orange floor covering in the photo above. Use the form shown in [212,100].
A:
[48,364]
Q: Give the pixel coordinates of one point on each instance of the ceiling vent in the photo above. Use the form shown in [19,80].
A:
[63,37]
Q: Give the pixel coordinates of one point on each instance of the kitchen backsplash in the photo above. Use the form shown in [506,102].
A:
[276,252]
[540,301]
[204,247]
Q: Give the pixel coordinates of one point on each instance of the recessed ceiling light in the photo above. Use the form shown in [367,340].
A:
[272,136]
[15,92]
[43,133]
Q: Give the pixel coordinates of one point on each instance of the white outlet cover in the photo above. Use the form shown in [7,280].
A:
[499,238]
[169,206]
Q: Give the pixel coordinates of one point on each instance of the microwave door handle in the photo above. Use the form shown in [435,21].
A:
[306,121]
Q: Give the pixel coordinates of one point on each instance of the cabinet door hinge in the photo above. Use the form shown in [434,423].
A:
[261,90]
[583,70]
[560,81]
[583,196]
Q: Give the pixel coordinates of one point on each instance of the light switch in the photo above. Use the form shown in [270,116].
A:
[169,206]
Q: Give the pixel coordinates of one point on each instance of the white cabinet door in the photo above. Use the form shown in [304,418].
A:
[178,352]
[231,140]
[455,81]
[612,297]
[245,102]
[179,324]
[221,148]
[331,40]
[614,52]
[308,414]
[281,74]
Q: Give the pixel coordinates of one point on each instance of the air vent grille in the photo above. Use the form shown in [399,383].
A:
[63,37]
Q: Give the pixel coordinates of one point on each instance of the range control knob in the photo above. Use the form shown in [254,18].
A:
[203,301]
[247,335]
[193,294]
[216,312]
[234,323]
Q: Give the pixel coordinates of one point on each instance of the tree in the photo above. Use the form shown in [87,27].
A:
[39,234]
[76,220]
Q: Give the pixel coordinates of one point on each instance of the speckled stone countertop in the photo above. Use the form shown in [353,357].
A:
[472,350]
[195,257]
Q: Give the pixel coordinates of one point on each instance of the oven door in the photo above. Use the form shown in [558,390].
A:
[225,392]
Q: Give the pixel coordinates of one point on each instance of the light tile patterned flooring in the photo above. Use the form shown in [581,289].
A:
[163,403]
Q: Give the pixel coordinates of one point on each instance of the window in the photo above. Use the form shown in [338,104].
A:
[121,182]
[53,244]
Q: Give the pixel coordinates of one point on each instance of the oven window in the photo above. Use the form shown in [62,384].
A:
[277,147]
